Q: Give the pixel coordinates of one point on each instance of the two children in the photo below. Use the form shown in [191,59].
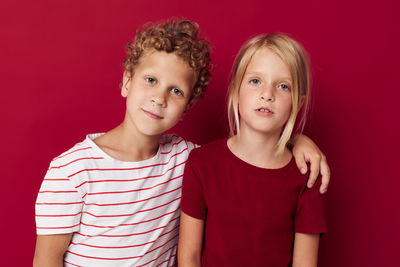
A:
[243,202]
[113,199]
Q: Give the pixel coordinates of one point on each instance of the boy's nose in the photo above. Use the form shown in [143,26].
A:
[159,99]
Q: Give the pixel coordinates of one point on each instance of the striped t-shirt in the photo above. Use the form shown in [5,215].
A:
[121,213]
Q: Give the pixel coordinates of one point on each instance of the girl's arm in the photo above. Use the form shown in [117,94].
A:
[50,250]
[305,150]
[190,241]
[305,251]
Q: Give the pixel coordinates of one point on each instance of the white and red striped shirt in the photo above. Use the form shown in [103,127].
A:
[121,213]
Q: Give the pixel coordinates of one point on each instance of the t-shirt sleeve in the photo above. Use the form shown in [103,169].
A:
[58,205]
[191,146]
[193,201]
[310,211]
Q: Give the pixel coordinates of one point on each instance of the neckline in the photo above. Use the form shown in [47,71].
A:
[91,137]
[290,166]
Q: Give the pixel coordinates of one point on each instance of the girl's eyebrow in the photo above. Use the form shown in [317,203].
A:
[288,79]
[257,73]
[252,73]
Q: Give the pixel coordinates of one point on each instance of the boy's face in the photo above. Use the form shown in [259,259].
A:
[158,93]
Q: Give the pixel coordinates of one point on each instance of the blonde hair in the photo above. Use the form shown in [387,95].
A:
[295,57]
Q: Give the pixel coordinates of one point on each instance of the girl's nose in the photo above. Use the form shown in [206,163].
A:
[267,94]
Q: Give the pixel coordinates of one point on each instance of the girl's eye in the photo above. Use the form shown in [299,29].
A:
[284,86]
[254,81]
[150,80]
[176,91]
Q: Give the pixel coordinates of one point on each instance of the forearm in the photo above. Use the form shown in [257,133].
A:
[186,262]
[305,251]
[50,250]
[41,260]
[188,257]
[190,241]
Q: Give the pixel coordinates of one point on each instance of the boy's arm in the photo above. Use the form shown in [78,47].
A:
[190,241]
[58,211]
[50,250]
[305,150]
[305,251]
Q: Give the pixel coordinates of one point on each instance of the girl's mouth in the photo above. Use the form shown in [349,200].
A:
[264,110]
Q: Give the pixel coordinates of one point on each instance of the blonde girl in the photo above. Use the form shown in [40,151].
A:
[244,202]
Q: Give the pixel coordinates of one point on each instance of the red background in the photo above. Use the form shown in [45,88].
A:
[61,66]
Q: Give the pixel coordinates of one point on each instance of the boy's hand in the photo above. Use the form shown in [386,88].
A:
[305,150]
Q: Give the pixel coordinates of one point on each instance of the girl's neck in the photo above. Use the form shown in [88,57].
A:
[125,144]
[259,149]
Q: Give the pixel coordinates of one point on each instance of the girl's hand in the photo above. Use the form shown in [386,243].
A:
[305,150]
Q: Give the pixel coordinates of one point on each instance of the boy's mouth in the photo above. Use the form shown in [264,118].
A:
[152,115]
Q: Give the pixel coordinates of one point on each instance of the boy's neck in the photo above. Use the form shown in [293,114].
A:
[124,144]
[259,149]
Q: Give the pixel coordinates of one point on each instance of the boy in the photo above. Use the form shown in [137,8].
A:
[113,199]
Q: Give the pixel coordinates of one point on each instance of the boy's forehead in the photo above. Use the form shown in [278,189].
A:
[154,56]
[169,64]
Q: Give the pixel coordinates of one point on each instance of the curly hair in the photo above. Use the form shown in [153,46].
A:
[174,36]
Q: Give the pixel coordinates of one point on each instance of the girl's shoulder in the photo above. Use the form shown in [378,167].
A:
[211,155]
[218,146]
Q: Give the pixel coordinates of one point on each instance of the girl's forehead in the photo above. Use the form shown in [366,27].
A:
[266,61]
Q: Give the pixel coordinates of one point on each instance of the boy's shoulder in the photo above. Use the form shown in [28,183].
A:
[169,141]
[71,165]
[87,150]
[79,154]
[86,155]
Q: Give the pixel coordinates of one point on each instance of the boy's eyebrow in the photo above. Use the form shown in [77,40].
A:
[148,71]
[177,84]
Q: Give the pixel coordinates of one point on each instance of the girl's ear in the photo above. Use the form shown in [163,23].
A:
[126,80]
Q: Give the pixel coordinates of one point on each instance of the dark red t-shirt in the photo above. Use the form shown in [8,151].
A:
[250,213]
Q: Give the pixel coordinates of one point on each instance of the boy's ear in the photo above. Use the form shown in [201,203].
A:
[188,106]
[126,79]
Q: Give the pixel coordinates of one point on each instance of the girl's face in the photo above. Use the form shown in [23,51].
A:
[265,97]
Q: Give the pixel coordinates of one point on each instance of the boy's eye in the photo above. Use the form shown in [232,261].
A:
[150,80]
[284,86]
[254,81]
[176,91]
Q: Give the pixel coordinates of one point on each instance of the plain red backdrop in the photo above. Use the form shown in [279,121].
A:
[61,66]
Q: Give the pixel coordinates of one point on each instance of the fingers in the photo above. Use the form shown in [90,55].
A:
[304,151]
[326,175]
[301,163]
[315,162]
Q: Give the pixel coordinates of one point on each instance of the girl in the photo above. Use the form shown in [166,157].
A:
[247,206]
